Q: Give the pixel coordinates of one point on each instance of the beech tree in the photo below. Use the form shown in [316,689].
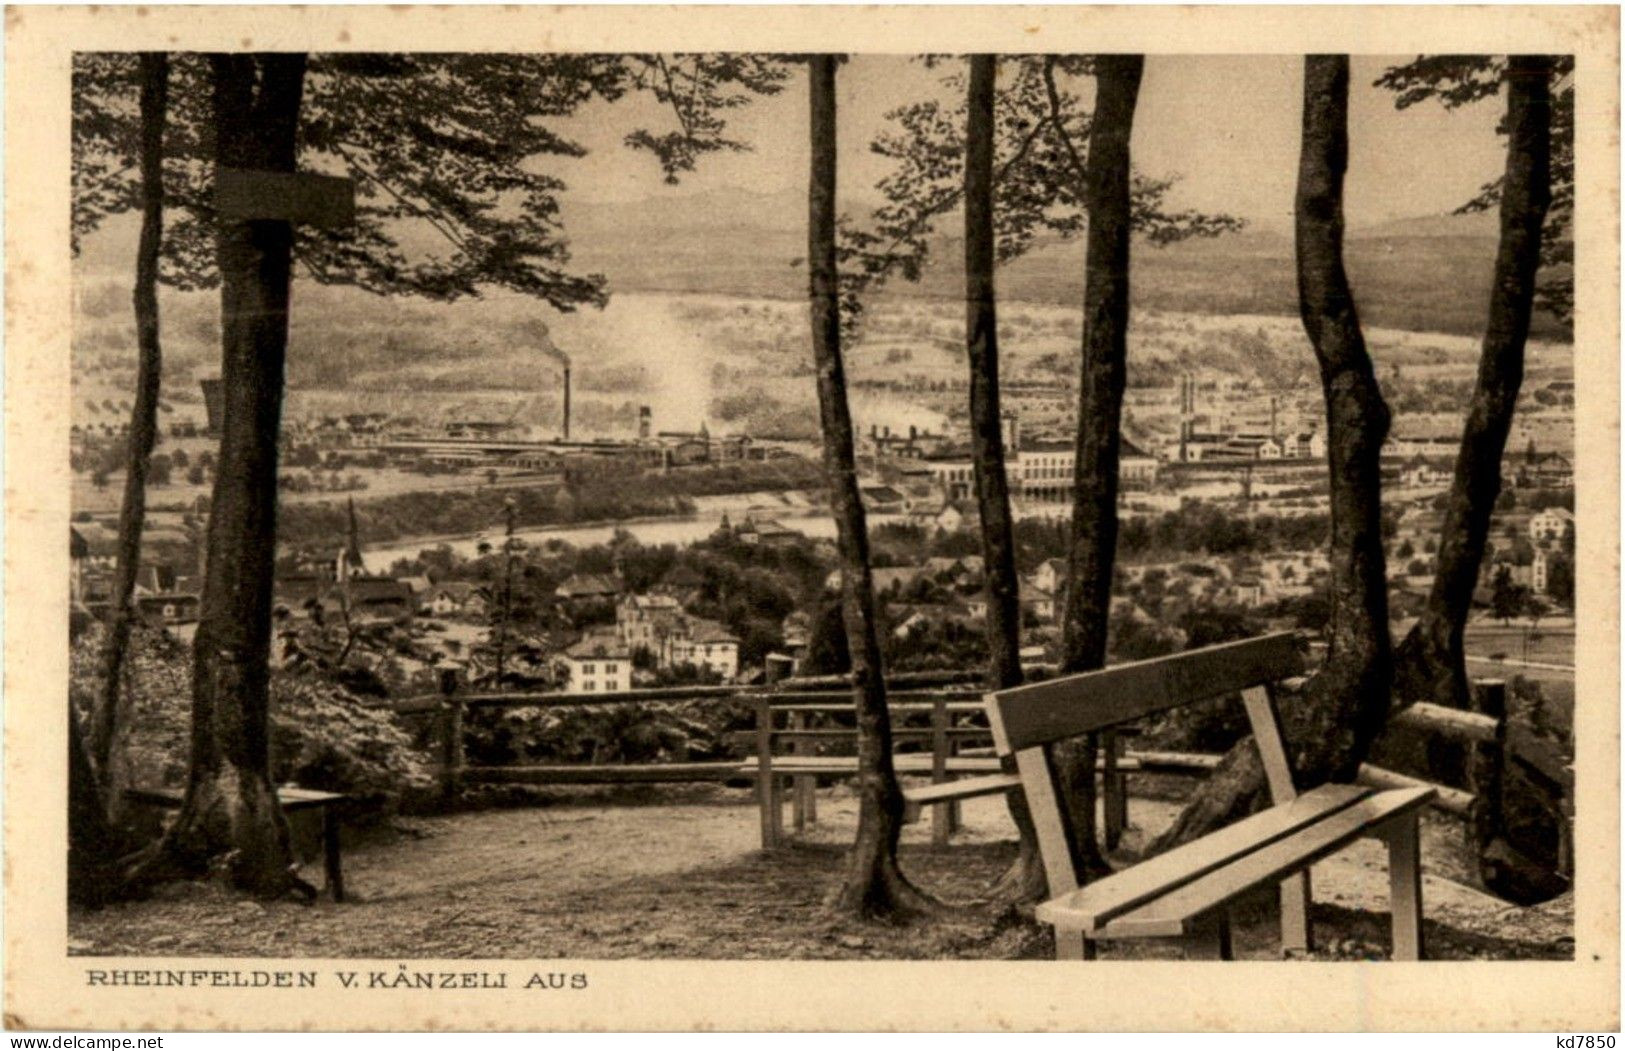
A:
[1037,185]
[1430,661]
[448,153]
[1041,131]
[445,141]
[1102,373]
[110,718]
[873,886]
[230,806]
[1341,711]
[1460,80]
[1003,621]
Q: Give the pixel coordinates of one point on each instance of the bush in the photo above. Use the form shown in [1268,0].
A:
[645,732]
[322,735]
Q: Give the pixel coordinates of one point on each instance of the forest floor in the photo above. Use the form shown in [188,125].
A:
[677,872]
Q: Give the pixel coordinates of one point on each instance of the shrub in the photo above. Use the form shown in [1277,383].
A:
[322,735]
[645,732]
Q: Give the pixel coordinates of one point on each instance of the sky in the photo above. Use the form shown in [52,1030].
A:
[1229,124]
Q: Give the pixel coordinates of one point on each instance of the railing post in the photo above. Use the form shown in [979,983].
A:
[766,789]
[1486,764]
[800,808]
[942,815]
[451,736]
[1565,834]
[1114,789]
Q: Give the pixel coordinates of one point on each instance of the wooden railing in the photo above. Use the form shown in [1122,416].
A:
[1483,732]
[449,709]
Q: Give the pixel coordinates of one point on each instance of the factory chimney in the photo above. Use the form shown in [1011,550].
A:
[644,421]
[546,345]
[1274,431]
[1187,417]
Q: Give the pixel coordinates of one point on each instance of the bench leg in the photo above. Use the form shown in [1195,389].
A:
[1115,791]
[942,823]
[1211,939]
[331,851]
[768,798]
[778,793]
[1296,934]
[800,809]
[1072,945]
[1405,887]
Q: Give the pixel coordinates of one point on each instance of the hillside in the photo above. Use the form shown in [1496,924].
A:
[1425,274]
[1428,274]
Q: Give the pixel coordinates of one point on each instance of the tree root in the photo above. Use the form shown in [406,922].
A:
[1230,793]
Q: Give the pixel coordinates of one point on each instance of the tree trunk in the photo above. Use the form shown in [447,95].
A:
[1343,708]
[93,844]
[1092,548]
[110,725]
[873,886]
[1429,664]
[1025,879]
[230,811]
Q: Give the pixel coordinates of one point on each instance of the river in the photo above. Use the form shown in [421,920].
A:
[792,510]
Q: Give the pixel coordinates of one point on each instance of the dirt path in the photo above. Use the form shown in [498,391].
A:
[661,872]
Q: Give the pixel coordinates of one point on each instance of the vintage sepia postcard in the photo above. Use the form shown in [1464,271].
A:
[779,518]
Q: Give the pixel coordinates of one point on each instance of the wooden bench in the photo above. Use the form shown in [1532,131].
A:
[292,800]
[955,775]
[1186,892]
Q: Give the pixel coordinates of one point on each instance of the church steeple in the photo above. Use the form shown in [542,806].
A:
[349,561]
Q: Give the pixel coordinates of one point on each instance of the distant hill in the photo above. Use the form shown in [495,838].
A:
[1429,273]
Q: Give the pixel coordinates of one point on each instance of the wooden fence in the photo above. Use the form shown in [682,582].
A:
[450,706]
[956,720]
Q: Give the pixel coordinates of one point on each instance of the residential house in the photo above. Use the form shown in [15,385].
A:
[167,609]
[1540,571]
[599,663]
[703,643]
[1038,602]
[1551,470]
[643,620]
[1554,523]
[1247,591]
[1304,445]
[767,532]
[883,500]
[377,598]
[681,583]
[911,617]
[455,598]
[100,545]
[1051,575]
[588,587]
[797,629]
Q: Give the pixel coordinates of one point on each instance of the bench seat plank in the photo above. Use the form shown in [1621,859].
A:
[1174,913]
[911,763]
[290,798]
[964,788]
[914,798]
[1092,906]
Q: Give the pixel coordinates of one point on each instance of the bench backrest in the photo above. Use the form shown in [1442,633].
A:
[1028,720]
